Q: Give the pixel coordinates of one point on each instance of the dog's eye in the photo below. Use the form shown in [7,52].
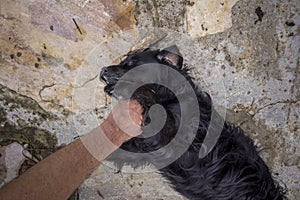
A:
[131,63]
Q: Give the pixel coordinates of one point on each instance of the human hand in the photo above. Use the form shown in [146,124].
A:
[125,119]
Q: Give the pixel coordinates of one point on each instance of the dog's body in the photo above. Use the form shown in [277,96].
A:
[231,170]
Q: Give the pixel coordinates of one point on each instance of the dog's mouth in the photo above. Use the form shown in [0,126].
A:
[109,80]
[107,77]
[110,85]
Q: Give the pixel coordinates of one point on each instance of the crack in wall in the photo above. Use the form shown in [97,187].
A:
[275,103]
[86,82]
[43,88]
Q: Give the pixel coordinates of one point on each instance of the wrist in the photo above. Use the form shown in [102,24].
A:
[113,132]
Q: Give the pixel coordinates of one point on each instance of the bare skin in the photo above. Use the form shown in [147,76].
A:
[57,176]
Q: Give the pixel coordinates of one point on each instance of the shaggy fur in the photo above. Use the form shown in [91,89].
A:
[233,169]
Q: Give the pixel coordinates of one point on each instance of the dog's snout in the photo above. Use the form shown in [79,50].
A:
[103,71]
[103,74]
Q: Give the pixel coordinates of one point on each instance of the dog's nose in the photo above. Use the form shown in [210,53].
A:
[103,72]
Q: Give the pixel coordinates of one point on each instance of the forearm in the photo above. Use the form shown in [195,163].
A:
[55,177]
[58,175]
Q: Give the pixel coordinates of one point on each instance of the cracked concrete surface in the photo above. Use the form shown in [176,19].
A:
[251,69]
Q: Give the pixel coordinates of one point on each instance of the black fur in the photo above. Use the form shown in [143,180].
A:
[233,169]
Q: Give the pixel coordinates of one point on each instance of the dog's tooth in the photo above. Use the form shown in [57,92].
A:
[107,99]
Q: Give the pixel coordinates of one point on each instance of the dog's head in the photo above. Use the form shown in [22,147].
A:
[112,74]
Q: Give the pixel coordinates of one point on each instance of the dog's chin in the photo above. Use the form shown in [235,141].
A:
[110,90]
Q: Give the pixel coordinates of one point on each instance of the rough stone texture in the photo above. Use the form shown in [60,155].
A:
[43,52]
[108,184]
[11,161]
[162,14]
[49,85]
[208,17]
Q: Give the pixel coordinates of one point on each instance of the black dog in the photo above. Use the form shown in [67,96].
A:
[233,168]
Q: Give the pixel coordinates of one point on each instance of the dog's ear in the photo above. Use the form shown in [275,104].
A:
[171,55]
